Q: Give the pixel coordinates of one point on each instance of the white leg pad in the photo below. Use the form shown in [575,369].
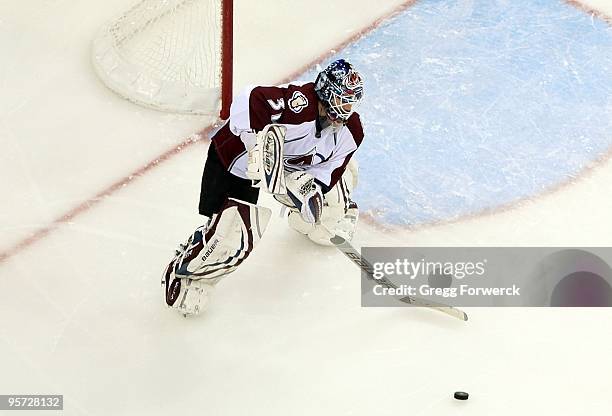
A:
[213,252]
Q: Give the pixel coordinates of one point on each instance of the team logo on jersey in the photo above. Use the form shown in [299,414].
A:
[298,102]
[296,161]
[299,162]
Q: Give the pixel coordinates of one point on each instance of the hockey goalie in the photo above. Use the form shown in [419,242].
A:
[294,141]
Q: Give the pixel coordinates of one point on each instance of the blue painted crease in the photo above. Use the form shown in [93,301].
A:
[470,105]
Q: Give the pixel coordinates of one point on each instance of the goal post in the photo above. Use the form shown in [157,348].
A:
[170,55]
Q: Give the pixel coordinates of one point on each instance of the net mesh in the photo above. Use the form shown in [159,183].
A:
[164,54]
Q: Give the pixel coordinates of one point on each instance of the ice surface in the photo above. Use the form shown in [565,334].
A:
[81,310]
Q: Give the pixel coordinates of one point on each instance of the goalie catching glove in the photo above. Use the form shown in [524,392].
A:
[303,197]
[339,213]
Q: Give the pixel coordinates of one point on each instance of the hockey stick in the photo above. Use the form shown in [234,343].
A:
[350,252]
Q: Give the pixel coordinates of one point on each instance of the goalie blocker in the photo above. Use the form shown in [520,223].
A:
[265,164]
[212,252]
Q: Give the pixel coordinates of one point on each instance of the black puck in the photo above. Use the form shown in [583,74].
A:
[461,395]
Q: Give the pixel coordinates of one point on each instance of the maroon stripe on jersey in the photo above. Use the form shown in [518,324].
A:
[355,127]
[228,145]
[337,173]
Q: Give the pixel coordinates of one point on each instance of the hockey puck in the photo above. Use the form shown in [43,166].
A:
[461,395]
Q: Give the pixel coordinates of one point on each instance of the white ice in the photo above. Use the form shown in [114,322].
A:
[81,310]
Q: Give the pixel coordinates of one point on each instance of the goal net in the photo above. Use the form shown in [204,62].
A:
[170,55]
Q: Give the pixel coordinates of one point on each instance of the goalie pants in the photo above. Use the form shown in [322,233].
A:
[218,184]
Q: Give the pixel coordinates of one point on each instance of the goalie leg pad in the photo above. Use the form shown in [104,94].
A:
[229,240]
[213,252]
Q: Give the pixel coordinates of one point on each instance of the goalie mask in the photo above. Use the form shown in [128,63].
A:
[340,89]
